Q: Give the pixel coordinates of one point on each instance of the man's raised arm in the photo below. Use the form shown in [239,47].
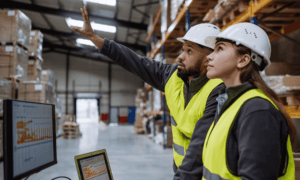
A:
[154,73]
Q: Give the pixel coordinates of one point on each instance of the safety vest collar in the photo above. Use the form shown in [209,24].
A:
[196,84]
[234,93]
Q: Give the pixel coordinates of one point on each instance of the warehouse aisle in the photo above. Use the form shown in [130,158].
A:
[132,156]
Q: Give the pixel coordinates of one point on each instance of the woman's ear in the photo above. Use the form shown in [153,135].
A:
[244,61]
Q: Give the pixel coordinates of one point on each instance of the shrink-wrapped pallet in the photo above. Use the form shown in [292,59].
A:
[16,27]
[34,70]
[13,62]
[36,44]
[35,92]
[47,76]
[7,91]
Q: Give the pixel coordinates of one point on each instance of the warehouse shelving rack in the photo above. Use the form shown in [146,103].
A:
[277,17]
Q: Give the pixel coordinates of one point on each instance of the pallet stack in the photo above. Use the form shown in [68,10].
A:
[140,103]
[71,130]
[14,38]
[35,56]
[222,6]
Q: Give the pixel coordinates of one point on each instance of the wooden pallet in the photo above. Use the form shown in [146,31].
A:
[139,130]
[14,80]
[70,125]
[71,135]
[4,43]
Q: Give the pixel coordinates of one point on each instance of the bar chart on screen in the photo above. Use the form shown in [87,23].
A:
[33,138]
[95,168]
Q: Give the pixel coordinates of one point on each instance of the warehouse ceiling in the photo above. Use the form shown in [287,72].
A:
[130,17]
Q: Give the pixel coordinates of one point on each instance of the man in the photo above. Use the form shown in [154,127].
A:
[190,95]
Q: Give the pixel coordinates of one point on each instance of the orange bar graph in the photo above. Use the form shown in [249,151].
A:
[26,135]
[94,171]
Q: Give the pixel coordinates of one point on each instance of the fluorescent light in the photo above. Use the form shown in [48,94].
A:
[97,27]
[101,27]
[72,22]
[84,42]
[105,2]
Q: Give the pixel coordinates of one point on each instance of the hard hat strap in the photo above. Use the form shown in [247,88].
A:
[258,60]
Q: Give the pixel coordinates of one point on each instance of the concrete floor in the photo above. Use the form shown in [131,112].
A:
[131,156]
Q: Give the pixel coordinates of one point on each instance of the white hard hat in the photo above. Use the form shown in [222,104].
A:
[198,33]
[249,35]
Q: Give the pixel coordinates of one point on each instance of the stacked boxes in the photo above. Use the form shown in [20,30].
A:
[35,92]
[36,44]
[13,62]
[168,136]
[15,27]
[71,130]
[47,76]
[35,56]
[34,70]
[7,91]
[140,101]
[14,38]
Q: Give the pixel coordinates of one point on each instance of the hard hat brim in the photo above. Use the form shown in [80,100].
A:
[181,39]
[210,41]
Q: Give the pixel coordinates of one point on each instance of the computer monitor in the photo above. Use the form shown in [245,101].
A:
[29,138]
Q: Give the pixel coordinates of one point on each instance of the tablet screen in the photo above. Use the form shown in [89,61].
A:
[94,168]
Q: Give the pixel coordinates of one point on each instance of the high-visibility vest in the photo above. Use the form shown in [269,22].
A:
[214,151]
[184,119]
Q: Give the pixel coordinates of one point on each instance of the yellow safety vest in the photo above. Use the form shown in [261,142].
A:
[214,151]
[185,118]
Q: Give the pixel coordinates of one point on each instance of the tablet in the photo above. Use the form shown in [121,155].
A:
[93,166]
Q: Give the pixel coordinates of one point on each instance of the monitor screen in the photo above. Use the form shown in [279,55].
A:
[29,138]
[94,168]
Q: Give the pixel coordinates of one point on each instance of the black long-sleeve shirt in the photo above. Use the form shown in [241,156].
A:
[256,147]
[157,75]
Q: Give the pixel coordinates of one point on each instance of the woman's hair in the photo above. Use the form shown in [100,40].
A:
[251,74]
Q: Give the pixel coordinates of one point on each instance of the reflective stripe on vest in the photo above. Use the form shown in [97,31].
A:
[208,175]
[179,149]
[214,150]
[173,121]
[184,118]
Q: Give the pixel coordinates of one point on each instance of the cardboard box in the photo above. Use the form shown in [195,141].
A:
[292,82]
[34,70]
[209,16]
[36,44]
[279,68]
[16,27]
[168,136]
[47,76]
[35,92]
[142,94]
[219,10]
[6,87]
[13,62]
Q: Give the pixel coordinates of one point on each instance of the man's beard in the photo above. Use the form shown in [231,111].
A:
[185,73]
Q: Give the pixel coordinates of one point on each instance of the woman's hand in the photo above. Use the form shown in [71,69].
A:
[87,30]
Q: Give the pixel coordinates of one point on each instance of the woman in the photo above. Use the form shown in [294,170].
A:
[252,135]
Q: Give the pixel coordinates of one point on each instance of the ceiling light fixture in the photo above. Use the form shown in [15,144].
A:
[97,27]
[105,2]
[84,42]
